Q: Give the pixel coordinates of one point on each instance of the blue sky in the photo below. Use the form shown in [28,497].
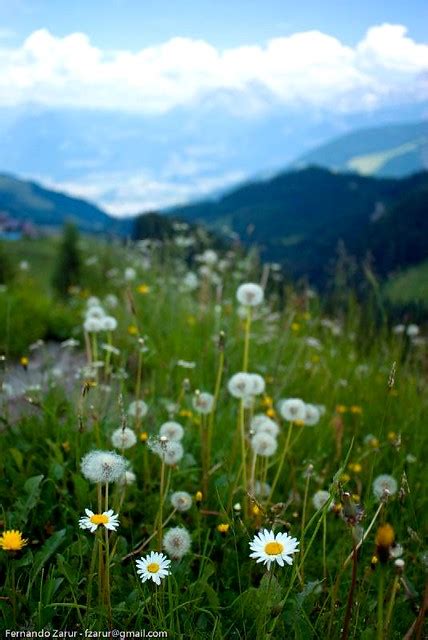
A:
[186,76]
[136,23]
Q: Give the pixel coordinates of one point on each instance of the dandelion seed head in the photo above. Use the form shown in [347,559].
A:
[181,500]
[250,294]
[177,542]
[137,408]
[103,466]
[123,438]
[293,409]
[203,402]
[384,486]
[263,444]
[173,431]
[262,423]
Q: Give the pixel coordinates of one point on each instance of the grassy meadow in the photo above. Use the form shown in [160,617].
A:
[341,395]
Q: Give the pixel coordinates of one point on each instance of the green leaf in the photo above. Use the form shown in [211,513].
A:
[48,549]
[26,503]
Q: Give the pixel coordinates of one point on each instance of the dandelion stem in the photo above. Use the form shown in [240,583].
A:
[282,460]
[243,450]
[161,497]
[380,598]
[366,533]
[247,340]
[302,539]
[348,614]
[391,603]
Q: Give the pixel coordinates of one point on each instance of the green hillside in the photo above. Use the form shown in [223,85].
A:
[29,201]
[389,151]
[298,218]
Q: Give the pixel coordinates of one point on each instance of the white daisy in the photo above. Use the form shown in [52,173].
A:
[268,548]
[93,520]
[155,566]
[384,486]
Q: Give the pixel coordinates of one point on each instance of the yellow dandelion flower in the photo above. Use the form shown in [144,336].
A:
[356,498]
[341,408]
[356,409]
[24,361]
[133,330]
[256,510]
[12,540]
[66,446]
[144,436]
[356,467]
[392,436]
[223,527]
[385,535]
[295,326]
[345,477]
[185,413]
[374,442]
[143,289]
[198,496]
[267,401]
[271,413]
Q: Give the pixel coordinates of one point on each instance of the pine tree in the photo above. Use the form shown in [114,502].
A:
[67,270]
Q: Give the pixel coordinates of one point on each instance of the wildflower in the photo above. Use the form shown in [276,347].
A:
[263,444]
[239,385]
[356,467]
[93,520]
[198,497]
[92,325]
[144,436]
[295,326]
[293,409]
[143,289]
[123,438]
[172,430]
[223,528]
[203,402]
[250,294]
[103,466]
[384,540]
[138,408]
[12,540]
[181,500]
[262,423]
[356,409]
[412,330]
[108,323]
[384,486]
[262,489]
[169,452]
[268,548]
[320,498]
[24,362]
[155,566]
[312,415]
[177,542]
[341,408]
[128,477]
[133,330]
[130,274]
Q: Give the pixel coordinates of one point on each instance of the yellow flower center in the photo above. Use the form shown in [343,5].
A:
[153,567]
[12,541]
[99,518]
[274,548]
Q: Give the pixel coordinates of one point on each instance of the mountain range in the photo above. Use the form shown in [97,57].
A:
[295,217]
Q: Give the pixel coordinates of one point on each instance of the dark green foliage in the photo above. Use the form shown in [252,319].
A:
[298,218]
[6,269]
[68,267]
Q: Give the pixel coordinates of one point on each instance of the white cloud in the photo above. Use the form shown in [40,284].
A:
[309,68]
[128,194]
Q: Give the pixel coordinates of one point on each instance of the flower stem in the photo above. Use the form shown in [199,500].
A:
[281,462]
[380,598]
[161,497]
[391,603]
[247,340]
[348,614]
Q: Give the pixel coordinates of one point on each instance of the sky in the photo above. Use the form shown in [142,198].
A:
[243,58]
